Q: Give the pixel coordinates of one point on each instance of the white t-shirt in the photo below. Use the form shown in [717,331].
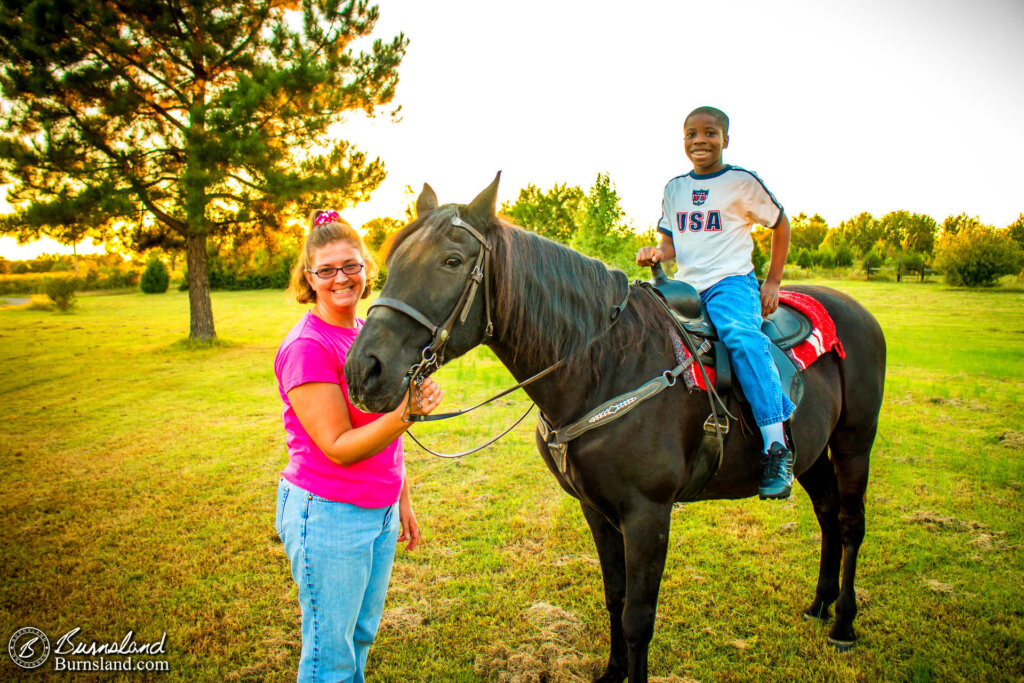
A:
[709,218]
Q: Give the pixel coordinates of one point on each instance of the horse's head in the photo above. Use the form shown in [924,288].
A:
[435,304]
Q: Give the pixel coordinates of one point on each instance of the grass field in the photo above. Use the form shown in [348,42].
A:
[139,481]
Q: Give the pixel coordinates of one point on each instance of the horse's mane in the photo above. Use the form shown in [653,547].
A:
[579,294]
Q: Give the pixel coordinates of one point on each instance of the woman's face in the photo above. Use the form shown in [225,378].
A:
[342,291]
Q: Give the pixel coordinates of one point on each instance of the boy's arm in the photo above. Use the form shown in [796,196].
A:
[665,251]
[780,248]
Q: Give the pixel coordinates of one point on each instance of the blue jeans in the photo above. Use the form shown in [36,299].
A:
[734,306]
[341,558]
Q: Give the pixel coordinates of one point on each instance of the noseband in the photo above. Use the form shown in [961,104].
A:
[432,356]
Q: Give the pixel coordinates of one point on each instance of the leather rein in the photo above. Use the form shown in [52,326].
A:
[432,355]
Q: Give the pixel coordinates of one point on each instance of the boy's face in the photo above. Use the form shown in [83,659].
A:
[704,140]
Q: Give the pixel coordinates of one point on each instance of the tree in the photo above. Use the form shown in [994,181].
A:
[977,256]
[920,233]
[1016,230]
[378,230]
[550,213]
[860,233]
[603,232]
[954,224]
[806,233]
[171,123]
[906,231]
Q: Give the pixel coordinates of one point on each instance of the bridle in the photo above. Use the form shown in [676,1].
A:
[432,356]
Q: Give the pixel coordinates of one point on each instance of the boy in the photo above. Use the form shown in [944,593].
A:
[707,216]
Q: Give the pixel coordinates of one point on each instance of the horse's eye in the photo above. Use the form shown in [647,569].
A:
[453,262]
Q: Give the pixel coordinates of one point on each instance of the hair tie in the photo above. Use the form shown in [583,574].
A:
[330,216]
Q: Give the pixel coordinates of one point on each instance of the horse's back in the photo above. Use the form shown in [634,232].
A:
[862,370]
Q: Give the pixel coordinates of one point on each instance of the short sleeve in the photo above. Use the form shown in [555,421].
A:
[304,361]
[664,224]
[762,207]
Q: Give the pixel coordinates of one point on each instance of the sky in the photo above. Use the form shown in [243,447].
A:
[839,107]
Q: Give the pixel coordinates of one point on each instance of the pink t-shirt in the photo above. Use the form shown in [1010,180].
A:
[314,351]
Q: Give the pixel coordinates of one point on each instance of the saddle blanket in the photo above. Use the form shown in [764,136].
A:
[821,340]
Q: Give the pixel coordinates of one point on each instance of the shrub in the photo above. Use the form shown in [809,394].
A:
[62,292]
[823,257]
[977,256]
[873,260]
[803,259]
[844,255]
[39,303]
[155,279]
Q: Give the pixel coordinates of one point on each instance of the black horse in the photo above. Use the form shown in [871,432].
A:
[543,302]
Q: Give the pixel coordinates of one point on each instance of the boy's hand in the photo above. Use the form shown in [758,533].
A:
[648,256]
[769,297]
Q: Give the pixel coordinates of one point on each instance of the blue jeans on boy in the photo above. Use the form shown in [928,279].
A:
[734,306]
[341,557]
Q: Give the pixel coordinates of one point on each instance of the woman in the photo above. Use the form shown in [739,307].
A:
[343,500]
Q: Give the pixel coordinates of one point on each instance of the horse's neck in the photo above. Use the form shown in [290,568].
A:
[561,391]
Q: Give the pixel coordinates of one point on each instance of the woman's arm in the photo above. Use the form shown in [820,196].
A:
[323,413]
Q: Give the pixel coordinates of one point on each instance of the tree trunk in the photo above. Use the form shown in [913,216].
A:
[200,308]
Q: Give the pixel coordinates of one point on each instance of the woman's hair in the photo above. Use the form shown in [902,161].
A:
[327,227]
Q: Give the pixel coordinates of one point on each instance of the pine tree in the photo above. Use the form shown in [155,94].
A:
[170,123]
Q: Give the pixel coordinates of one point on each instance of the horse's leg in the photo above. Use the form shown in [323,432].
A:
[850,458]
[645,529]
[611,551]
[820,483]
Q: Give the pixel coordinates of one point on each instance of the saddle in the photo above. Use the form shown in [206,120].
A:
[785,328]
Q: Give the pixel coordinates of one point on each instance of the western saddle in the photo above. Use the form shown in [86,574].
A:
[785,328]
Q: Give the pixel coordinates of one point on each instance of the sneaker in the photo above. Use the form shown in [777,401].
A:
[777,476]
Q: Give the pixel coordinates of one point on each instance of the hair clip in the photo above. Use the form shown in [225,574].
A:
[330,216]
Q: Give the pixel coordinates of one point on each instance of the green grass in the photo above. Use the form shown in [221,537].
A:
[139,480]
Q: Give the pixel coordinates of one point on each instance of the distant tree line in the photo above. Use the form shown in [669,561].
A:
[965,250]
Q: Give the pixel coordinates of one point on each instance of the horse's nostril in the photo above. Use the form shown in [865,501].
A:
[374,369]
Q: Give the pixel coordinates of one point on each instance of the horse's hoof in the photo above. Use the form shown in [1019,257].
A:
[820,615]
[842,645]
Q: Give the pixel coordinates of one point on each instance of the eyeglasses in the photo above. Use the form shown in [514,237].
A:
[330,271]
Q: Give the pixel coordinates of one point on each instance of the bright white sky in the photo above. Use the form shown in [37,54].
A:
[840,107]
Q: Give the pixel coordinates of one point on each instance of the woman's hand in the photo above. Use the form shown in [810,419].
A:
[425,398]
[407,518]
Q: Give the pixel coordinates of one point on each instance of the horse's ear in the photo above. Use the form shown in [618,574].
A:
[484,207]
[426,202]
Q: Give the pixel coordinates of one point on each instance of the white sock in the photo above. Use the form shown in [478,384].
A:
[773,433]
